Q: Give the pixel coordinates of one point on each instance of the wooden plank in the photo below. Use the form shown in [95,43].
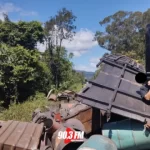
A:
[36,137]
[26,137]
[14,137]
[5,125]
[7,133]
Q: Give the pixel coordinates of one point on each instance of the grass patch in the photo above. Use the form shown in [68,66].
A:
[76,87]
[23,112]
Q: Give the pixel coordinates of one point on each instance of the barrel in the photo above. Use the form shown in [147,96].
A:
[98,142]
[128,134]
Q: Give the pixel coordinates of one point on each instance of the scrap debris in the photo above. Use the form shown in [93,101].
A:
[112,94]
[52,97]
[65,95]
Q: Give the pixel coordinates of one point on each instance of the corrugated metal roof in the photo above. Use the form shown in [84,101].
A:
[115,89]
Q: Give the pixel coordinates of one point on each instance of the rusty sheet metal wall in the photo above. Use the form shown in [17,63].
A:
[86,118]
[115,89]
[20,135]
[82,113]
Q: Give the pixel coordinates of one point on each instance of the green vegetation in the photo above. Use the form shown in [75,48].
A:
[23,112]
[58,28]
[124,33]
[24,70]
[78,81]
[26,34]
[18,76]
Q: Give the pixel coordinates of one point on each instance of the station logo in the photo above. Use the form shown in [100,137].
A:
[71,136]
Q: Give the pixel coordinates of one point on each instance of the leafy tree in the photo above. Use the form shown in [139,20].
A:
[6,18]
[58,28]
[26,34]
[96,73]
[124,33]
[24,70]
[62,66]
[21,72]
[62,25]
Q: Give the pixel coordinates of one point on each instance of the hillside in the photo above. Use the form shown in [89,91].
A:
[87,75]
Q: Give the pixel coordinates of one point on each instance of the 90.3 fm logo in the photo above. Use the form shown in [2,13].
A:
[71,136]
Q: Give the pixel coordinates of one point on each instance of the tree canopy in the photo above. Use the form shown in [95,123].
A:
[60,27]
[21,72]
[26,34]
[23,69]
[124,33]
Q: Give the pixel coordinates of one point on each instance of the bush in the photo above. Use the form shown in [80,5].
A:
[21,73]
[76,87]
[23,112]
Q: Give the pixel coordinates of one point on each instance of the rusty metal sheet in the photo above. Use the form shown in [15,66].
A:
[85,115]
[52,97]
[88,126]
[74,111]
[16,135]
[75,124]
[67,105]
[78,111]
[115,89]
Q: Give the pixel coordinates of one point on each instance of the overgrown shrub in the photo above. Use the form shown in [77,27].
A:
[21,73]
[23,112]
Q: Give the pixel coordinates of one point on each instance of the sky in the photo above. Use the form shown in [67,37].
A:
[88,12]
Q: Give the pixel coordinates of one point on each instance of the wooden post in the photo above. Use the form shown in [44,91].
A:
[96,120]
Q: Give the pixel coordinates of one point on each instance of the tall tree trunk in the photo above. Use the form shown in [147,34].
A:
[50,47]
